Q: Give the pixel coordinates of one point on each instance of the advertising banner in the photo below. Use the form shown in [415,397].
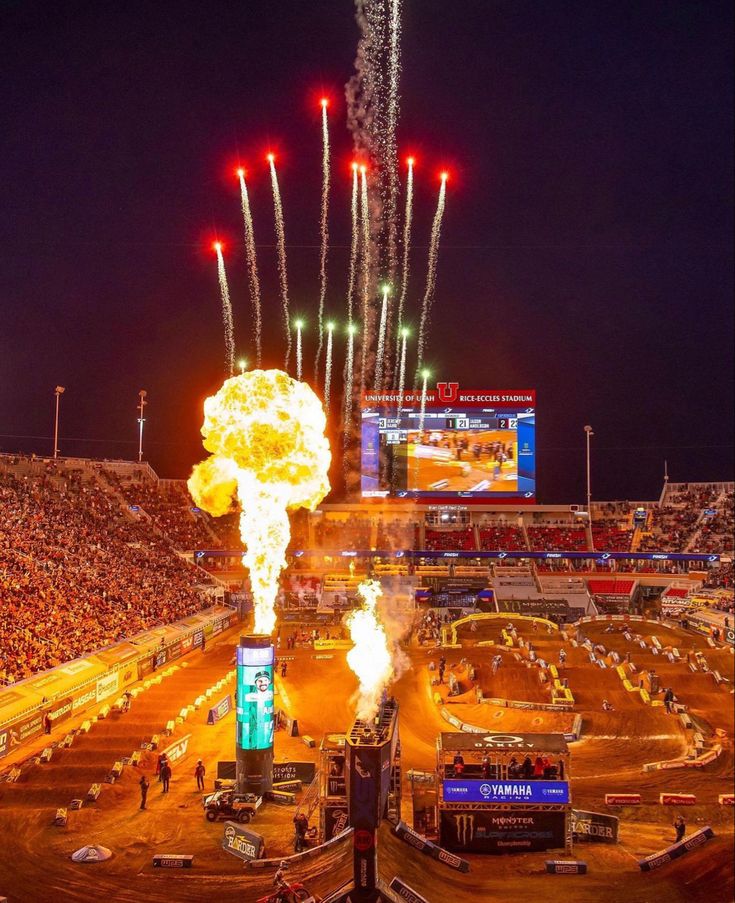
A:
[477,791]
[25,728]
[594,826]
[294,771]
[60,710]
[255,697]
[219,710]
[107,686]
[4,742]
[178,748]
[501,832]
[405,892]
[656,860]
[242,842]
[428,848]
[335,821]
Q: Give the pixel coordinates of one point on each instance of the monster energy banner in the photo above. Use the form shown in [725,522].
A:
[594,826]
[501,831]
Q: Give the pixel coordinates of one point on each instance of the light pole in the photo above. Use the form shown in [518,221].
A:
[58,392]
[589,434]
[141,420]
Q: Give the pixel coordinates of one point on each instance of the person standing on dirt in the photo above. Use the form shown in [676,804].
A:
[165,776]
[669,700]
[199,773]
[680,826]
[144,784]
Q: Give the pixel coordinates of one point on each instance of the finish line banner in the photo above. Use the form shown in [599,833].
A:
[475,791]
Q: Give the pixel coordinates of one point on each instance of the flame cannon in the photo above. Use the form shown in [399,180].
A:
[373,786]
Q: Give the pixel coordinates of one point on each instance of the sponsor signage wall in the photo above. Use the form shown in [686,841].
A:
[177,749]
[218,711]
[107,686]
[336,820]
[594,826]
[4,742]
[294,771]
[477,791]
[656,860]
[475,831]
[405,892]
[61,709]
[420,843]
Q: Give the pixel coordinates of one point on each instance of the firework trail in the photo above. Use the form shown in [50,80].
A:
[391,125]
[281,244]
[226,310]
[354,242]
[381,341]
[365,273]
[431,271]
[328,365]
[324,228]
[422,415]
[402,367]
[252,262]
[349,383]
[407,223]
[299,356]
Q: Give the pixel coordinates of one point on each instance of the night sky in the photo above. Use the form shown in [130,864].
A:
[587,245]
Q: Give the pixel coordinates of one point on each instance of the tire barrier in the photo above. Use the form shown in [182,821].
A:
[566,867]
[656,860]
[173,861]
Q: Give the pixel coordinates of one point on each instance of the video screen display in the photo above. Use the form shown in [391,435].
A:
[480,445]
[254,698]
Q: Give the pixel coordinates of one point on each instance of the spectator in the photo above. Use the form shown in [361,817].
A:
[165,776]
[680,827]
[144,784]
[199,773]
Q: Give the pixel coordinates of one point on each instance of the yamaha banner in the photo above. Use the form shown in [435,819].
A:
[475,831]
[477,791]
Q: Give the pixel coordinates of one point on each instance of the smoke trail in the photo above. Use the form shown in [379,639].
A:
[381,341]
[226,310]
[431,271]
[422,415]
[324,228]
[407,223]
[252,264]
[281,243]
[299,356]
[365,275]
[353,244]
[328,366]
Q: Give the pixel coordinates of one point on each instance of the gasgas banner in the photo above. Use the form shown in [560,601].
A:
[255,697]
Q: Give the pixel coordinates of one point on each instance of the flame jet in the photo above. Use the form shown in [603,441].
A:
[266,435]
[370,658]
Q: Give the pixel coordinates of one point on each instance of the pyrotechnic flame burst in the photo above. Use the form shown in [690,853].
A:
[370,658]
[265,431]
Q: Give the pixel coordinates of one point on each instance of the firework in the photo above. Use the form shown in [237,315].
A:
[252,263]
[381,340]
[226,309]
[324,229]
[354,242]
[349,384]
[391,126]
[431,270]
[365,273]
[265,432]
[422,416]
[328,365]
[281,246]
[402,366]
[407,223]
[299,325]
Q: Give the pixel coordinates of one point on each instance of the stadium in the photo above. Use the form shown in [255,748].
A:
[365,613]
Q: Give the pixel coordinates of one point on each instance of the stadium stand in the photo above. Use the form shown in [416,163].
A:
[610,535]
[549,539]
[78,571]
[451,540]
[508,539]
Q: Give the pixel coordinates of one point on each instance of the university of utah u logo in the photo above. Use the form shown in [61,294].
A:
[447,391]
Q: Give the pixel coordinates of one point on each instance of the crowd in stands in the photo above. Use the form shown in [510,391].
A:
[78,572]
[505,538]
[552,539]
[451,540]
[608,535]
[674,524]
[349,533]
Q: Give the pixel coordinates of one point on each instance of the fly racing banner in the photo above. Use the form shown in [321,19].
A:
[242,841]
[177,749]
[594,826]
[478,791]
[474,831]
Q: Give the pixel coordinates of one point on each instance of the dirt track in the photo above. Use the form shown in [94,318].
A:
[34,858]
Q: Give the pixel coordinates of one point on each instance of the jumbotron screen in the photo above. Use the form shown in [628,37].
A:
[460,444]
